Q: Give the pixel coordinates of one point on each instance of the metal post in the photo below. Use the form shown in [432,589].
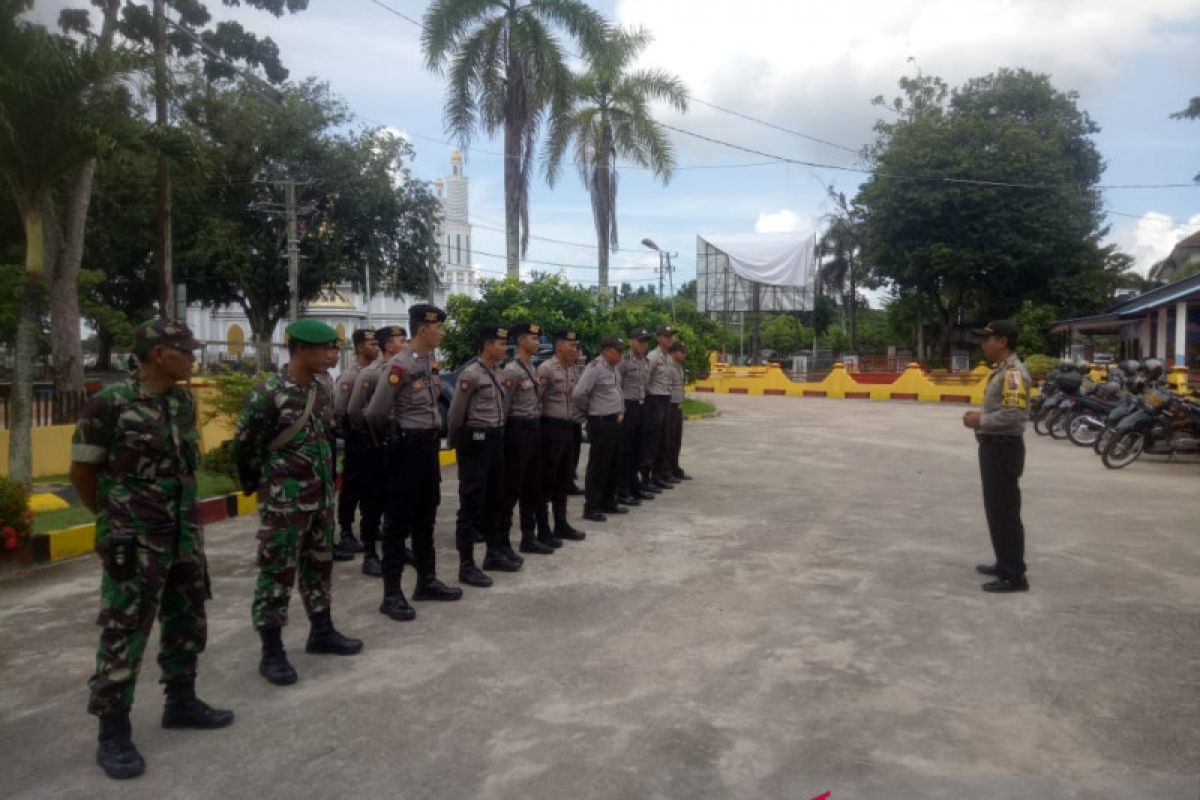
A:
[671,283]
[293,252]
[163,256]
[367,291]
[660,273]
[431,243]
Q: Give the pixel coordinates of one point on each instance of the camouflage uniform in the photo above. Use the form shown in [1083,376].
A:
[145,446]
[295,496]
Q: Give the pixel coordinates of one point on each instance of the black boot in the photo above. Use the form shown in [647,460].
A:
[184,710]
[394,604]
[324,638]
[497,560]
[529,542]
[545,535]
[349,542]
[430,588]
[562,528]
[341,552]
[511,555]
[472,575]
[117,755]
[274,665]
[371,564]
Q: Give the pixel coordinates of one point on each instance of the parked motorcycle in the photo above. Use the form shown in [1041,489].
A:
[1164,424]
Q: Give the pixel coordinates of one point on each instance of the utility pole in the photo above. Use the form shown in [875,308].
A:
[430,256]
[367,285]
[163,255]
[293,251]
[670,282]
[660,273]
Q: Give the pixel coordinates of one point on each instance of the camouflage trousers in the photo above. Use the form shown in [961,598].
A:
[171,582]
[291,542]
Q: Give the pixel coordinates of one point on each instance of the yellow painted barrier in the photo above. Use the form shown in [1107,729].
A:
[912,384]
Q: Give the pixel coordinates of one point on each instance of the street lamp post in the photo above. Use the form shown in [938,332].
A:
[662,270]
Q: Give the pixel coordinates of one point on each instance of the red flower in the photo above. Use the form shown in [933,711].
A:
[11,543]
[9,530]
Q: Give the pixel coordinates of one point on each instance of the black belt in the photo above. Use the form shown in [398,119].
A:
[524,422]
[482,429]
[558,422]
[606,417]
[421,433]
[999,437]
[634,403]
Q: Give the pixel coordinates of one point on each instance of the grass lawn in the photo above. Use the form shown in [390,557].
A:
[691,407]
[208,484]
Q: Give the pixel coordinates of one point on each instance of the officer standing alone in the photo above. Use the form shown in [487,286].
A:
[133,462]
[1000,430]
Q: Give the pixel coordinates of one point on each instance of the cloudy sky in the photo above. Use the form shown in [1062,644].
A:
[809,67]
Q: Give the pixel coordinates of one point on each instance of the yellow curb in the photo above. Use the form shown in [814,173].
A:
[70,542]
[45,501]
[246,504]
[447,458]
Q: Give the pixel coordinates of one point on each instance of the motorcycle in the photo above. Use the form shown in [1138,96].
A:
[1164,424]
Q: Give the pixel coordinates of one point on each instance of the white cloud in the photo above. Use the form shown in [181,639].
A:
[1153,236]
[782,221]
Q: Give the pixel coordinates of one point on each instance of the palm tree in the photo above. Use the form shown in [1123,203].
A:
[506,71]
[49,131]
[609,118]
[843,273]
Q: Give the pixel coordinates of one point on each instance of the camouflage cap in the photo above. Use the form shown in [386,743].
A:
[169,332]
[311,331]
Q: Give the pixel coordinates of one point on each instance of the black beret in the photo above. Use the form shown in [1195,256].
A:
[566,334]
[422,313]
[488,332]
[523,328]
[363,335]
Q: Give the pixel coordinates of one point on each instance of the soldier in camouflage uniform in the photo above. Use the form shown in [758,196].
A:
[133,462]
[283,450]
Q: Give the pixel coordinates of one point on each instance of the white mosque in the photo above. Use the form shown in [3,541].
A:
[226,330]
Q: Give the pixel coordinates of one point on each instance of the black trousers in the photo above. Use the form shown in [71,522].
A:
[353,476]
[558,458]
[522,473]
[1001,463]
[629,472]
[600,485]
[374,490]
[577,445]
[480,490]
[654,423]
[414,491]
[673,437]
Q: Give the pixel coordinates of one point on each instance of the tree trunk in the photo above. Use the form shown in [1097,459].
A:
[261,328]
[65,336]
[104,344]
[601,208]
[20,450]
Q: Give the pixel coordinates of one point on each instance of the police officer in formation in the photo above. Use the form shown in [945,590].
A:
[133,462]
[598,394]
[356,460]
[658,405]
[403,411]
[634,370]
[522,438]
[557,376]
[673,431]
[283,448]
[475,429]
[391,340]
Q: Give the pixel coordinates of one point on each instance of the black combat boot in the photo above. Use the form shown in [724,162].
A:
[274,665]
[472,575]
[184,710]
[324,638]
[349,542]
[394,603]
[341,552]
[497,560]
[430,588]
[562,528]
[529,542]
[117,755]
[371,564]
[545,534]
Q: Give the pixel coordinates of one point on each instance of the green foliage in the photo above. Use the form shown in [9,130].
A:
[15,517]
[785,334]
[1039,365]
[554,303]
[979,250]
[225,403]
[692,407]
[1191,112]
[1033,321]
[219,461]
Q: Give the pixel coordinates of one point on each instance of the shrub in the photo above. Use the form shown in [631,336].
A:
[1040,365]
[16,520]
[219,461]
[231,390]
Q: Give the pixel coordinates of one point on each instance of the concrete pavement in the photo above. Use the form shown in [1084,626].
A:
[801,618]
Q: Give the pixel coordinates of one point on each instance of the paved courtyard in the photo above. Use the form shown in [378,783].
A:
[802,618]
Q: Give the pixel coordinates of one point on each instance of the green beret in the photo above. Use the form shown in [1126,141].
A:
[311,331]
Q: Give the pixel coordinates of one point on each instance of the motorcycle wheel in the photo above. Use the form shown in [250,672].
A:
[1059,424]
[1124,449]
[1039,422]
[1084,430]
[1102,440]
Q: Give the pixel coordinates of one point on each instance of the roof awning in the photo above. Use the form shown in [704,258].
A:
[1099,323]
[1137,305]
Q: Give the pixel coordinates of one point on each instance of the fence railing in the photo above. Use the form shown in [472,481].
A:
[48,407]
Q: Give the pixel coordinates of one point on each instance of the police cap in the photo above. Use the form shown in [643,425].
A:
[640,334]
[666,330]
[423,314]
[524,328]
[363,335]
[566,334]
[487,333]
[1000,327]
[612,341]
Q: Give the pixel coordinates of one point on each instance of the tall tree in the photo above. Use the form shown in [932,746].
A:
[984,196]
[609,118]
[845,272]
[360,208]
[54,102]
[506,72]
[1191,112]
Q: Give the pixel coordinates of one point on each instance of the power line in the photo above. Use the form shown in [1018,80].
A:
[399,14]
